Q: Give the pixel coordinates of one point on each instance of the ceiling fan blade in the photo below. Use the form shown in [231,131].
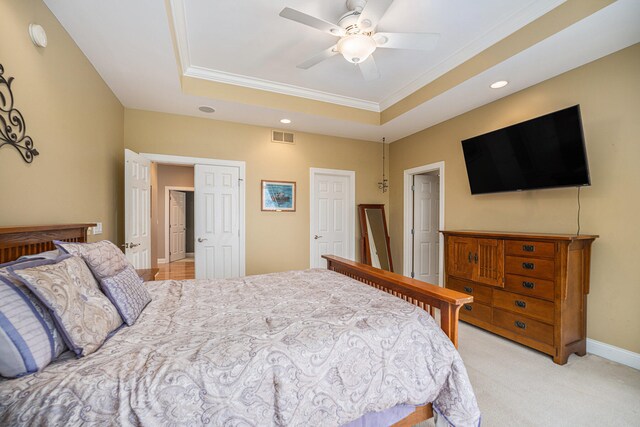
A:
[373,11]
[311,21]
[415,41]
[369,69]
[325,54]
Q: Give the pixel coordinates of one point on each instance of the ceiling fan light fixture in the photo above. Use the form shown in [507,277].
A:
[356,48]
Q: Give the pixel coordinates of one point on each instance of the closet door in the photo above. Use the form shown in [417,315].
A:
[217,222]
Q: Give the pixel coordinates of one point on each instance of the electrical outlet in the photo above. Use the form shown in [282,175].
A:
[97,229]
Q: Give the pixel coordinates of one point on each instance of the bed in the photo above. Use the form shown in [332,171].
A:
[309,347]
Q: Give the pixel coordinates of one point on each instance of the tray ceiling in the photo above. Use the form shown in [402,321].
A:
[240,57]
[250,39]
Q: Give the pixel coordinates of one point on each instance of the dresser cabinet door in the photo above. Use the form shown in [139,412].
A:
[460,256]
[489,262]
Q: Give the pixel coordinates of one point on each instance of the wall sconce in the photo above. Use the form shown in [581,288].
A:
[38,35]
[384,184]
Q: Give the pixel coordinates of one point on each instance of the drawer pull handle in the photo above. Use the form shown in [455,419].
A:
[520,324]
[468,307]
[528,285]
[528,248]
[468,289]
[469,257]
[528,265]
[521,304]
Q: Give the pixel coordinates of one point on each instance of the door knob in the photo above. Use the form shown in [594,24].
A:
[133,245]
[201,239]
[316,237]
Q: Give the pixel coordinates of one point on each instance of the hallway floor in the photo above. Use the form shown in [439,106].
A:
[178,270]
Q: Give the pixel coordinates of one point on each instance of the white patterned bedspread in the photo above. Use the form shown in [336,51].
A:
[300,348]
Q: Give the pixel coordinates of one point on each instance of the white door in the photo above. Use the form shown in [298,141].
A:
[332,213]
[426,239]
[136,209]
[217,222]
[177,225]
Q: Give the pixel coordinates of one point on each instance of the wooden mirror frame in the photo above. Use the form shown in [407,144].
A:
[365,256]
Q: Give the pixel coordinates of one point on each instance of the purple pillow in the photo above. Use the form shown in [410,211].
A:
[127,292]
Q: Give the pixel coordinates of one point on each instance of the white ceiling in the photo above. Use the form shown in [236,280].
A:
[130,45]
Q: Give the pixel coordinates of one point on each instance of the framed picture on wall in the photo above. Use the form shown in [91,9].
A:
[278,196]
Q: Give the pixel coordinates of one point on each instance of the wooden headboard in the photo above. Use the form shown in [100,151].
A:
[29,240]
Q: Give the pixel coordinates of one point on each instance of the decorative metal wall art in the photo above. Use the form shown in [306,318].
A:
[13,130]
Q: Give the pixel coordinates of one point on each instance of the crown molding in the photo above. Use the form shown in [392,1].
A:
[179,16]
[507,26]
[281,88]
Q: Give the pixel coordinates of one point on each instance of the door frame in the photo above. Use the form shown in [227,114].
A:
[351,220]
[242,191]
[167,223]
[408,217]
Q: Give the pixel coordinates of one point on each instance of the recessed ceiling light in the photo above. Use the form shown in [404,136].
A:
[206,109]
[499,84]
[285,121]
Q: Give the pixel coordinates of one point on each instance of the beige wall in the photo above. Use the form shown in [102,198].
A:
[168,176]
[608,92]
[76,124]
[276,241]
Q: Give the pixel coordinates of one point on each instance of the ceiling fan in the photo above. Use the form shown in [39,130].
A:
[358,36]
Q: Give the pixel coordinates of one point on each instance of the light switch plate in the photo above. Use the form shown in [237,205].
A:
[98,228]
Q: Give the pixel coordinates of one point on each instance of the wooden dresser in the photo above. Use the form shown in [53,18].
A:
[530,288]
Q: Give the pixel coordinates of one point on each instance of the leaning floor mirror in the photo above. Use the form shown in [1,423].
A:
[374,245]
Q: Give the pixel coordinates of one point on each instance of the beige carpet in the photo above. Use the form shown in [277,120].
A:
[516,386]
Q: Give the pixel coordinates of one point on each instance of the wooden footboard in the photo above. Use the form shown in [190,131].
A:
[425,295]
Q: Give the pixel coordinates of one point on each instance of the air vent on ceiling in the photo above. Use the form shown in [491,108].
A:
[282,137]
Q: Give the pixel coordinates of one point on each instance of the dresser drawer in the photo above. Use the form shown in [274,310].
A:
[529,286]
[530,249]
[478,292]
[523,326]
[477,311]
[530,267]
[532,307]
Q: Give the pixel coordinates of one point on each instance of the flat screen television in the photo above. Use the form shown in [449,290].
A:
[544,152]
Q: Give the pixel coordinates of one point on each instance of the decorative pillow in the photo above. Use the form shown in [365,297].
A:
[103,258]
[127,292]
[66,286]
[29,340]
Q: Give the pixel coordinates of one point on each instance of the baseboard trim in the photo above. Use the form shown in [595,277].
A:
[162,261]
[191,255]
[613,353]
